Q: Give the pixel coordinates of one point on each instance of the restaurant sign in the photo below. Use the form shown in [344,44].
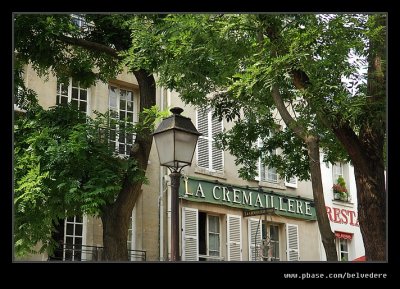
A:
[199,190]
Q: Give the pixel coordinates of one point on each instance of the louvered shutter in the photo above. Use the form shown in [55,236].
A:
[203,153]
[260,168]
[234,237]
[190,242]
[292,238]
[255,237]
[217,154]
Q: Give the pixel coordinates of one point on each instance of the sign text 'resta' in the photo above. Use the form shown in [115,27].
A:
[218,193]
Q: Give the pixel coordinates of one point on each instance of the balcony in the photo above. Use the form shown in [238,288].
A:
[82,253]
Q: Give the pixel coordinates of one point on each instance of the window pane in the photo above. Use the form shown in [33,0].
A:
[82,106]
[274,231]
[213,224]
[122,104]
[343,245]
[78,219]
[74,103]
[69,241]
[123,94]
[129,106]
[214,242]
[64,89]
[113,97]
[78,230]
[130,116]
[122,115]
[64,100]
[121,138]
[78,241]
[74,93]
[83,94]
[112,134]
[129,96]
[70,229]
[129,138]
[121,149]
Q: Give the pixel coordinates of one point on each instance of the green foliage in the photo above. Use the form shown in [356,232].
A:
[231,61]
[39,39]
[63,166]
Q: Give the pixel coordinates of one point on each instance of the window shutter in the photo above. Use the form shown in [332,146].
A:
[234,237]
[217,154]
[190,243]
[292,238]
[255,237]
[258,164]
[203,154]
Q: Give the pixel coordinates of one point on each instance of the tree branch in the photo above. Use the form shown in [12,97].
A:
[90,45]
[299,130]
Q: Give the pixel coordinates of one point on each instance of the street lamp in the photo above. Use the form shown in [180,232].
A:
[176,139]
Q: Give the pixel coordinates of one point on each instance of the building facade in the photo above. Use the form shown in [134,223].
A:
[342,212]
[222,217]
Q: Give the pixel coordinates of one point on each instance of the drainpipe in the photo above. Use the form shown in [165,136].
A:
[168,195]
[161,196]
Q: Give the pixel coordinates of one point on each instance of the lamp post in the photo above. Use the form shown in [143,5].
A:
[176,139]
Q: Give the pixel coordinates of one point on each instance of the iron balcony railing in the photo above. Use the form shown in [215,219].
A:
[74,252]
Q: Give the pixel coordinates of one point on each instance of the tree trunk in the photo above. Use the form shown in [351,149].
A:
[115,217]
[115,234]
[372,212]
[328,238]
[366,151]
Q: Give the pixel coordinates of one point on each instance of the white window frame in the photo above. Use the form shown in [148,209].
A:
[59,94]
[135,100]
[209,138]
[74,236]
[335,175]
[264,177]
[292,182]
[339,250]
[208,234]
[131,244]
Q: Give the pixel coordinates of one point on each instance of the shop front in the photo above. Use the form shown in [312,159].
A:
[223,222]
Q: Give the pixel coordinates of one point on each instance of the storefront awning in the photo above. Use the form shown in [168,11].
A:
[359,259]
[343,235]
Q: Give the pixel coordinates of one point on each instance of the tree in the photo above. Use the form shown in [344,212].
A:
[308,68]
[90,52]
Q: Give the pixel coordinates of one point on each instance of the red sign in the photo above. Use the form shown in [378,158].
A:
[342,216]
[342,235]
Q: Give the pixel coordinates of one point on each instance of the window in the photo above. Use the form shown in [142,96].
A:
[265,173]
[292,182]
[209,236]
[122,105]
[270,242]
[213,236]
[342,249]
[70,235]
[72,92]
[337,170]
[208,156]
[79,21]
[73,239]
[131,235]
